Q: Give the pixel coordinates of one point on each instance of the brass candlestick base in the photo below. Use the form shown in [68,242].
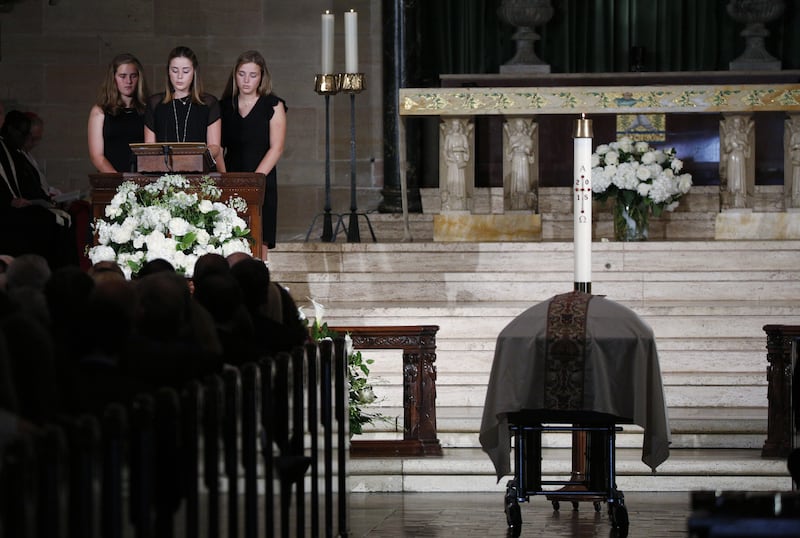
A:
[326,84]
[351,82]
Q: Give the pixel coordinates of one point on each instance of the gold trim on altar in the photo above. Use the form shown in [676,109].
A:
[590,99]
[642,127]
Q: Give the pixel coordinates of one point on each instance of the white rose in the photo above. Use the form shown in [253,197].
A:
[205,206]
[178,226]
[101,253]
[612,157]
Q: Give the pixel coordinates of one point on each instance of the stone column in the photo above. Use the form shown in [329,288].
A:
[521,164]
[791,162]
[456,163]
[737,161]
[398,60]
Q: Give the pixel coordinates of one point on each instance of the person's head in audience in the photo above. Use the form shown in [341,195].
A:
[164,305]
[253,277]
[5,261]
[210,264]
[157,265]
[16,129]
[28,270]
[36,132]
[236,257]
[106,270]
[67,291]
[112,307]
[221,295]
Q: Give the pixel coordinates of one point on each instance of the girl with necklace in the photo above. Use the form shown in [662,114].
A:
[183,112]
[117,118]
[254,131]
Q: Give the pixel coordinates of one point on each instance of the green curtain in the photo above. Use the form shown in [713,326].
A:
[596,36]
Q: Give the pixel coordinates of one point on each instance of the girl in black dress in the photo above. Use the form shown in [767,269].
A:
[254,131]
[117,119]
[184,113]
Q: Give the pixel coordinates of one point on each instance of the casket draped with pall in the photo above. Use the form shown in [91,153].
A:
[576,352]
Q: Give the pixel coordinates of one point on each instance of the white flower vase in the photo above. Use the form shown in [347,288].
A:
[630,222]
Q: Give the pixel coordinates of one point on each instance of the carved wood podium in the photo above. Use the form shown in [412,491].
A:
[249,186]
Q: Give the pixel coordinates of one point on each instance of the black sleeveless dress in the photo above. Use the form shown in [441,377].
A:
[180,120]
[246,141]
[119,130]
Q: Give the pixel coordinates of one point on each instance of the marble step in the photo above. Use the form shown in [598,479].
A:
[691,427]
[470,470]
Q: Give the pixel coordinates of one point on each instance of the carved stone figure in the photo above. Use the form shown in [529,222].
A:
[520,152]
[793,151]
[737,150]
[456,155]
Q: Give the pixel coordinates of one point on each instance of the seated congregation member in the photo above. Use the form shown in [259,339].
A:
[174,340]
[275,315]
[67,293]
[219,293]
[100,374]
[29,223]
[183,112]
[25,326]
[117,118]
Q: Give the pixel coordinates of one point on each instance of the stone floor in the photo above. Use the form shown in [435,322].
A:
[395,515]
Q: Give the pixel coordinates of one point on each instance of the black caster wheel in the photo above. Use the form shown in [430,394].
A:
[597,506]
[513,512]
[619,519]
[556,505]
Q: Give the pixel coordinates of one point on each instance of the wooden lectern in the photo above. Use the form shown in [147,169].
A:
[172,157]
[249,186]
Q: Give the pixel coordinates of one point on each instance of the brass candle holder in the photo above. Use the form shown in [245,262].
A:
[351,82]
[326,84]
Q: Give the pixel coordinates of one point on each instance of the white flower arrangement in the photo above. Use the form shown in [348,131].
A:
[641,179]
[360,390]
[172,218]
[636,173]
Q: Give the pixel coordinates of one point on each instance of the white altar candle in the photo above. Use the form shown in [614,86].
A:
[582,184]
[351,42]
[327,43]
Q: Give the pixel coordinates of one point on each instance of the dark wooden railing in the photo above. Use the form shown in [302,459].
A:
[418,343]
[171,463]
[780,341]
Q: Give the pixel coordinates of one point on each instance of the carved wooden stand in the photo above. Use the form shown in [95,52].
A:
[418,343]
[779,389]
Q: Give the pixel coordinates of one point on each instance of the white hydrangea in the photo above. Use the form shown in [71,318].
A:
[150,218]
[650,173]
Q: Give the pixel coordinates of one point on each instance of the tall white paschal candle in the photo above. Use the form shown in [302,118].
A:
[327,43]
[351,42]
[582,185]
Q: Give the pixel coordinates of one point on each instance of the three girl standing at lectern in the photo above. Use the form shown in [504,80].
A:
[117,119]
[183,112]
[254,131]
